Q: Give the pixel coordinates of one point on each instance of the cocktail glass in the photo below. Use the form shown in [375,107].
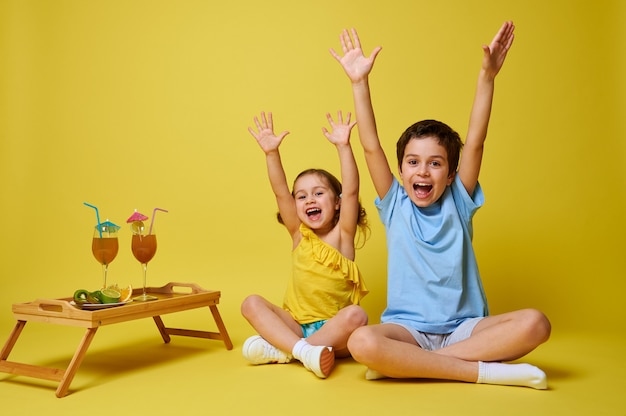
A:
[104,246]
[144,247]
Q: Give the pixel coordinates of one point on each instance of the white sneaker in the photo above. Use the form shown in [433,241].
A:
[259,351]
[320,360]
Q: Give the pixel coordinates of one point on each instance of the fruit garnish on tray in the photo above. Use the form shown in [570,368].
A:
[110,294]
[82,296]
[125,292]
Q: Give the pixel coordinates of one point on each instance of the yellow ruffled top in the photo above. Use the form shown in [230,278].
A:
[323,281]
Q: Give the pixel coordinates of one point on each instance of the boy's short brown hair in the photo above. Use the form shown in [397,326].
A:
[444,134]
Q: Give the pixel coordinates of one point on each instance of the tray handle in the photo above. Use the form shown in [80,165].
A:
[53,305]
[191,288]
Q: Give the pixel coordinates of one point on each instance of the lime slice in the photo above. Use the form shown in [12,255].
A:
[137,227]
[125,292]
[109,296]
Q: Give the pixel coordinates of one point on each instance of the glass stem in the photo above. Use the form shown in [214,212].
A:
[145,270]
[105,269]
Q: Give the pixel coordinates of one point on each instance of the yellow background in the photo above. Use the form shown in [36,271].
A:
[142,104]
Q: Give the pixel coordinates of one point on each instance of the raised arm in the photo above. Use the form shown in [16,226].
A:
[269,143]
[493,59]
[349,212]
[358,68]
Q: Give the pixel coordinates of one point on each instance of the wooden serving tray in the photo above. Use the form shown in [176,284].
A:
[173,297]
[170,299]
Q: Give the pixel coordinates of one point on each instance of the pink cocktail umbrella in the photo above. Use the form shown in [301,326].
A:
[137,216]
[136,222]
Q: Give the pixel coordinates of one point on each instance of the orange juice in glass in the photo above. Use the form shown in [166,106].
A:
[143,246]
[104,246]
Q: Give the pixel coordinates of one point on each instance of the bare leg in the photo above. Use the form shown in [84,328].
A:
[504,337]
[391,351]
[276,327]
[337,330]
[273,323]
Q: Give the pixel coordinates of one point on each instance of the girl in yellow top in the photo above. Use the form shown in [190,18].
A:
[321,305]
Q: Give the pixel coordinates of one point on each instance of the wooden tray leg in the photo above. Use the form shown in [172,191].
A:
[8,347]
[159,323]
[220,324]
[77,359]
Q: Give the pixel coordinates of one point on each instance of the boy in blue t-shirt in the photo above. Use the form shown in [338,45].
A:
[437,323]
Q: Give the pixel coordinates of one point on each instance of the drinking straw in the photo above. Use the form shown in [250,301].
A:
[97,217]
[153,215]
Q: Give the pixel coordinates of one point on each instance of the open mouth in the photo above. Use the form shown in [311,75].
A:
[422,189]
[313,212]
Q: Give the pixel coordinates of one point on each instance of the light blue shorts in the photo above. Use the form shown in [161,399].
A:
[431,342]
[313,327]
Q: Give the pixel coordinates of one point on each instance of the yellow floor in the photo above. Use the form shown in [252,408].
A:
[128,369]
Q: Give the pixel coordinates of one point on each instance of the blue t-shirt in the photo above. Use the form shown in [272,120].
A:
[433,279]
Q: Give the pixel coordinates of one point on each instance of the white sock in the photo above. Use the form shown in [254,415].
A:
[525,375]
[374,375]
[299,349]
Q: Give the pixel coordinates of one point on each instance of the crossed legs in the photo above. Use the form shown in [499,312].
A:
[393,352]
[278,327]
[281,337]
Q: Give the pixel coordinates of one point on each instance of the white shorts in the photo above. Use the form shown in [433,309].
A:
[431,342]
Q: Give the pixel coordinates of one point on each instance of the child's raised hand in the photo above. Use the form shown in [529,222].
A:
[353,61]
[265,133]
[495,53]
[340,134]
